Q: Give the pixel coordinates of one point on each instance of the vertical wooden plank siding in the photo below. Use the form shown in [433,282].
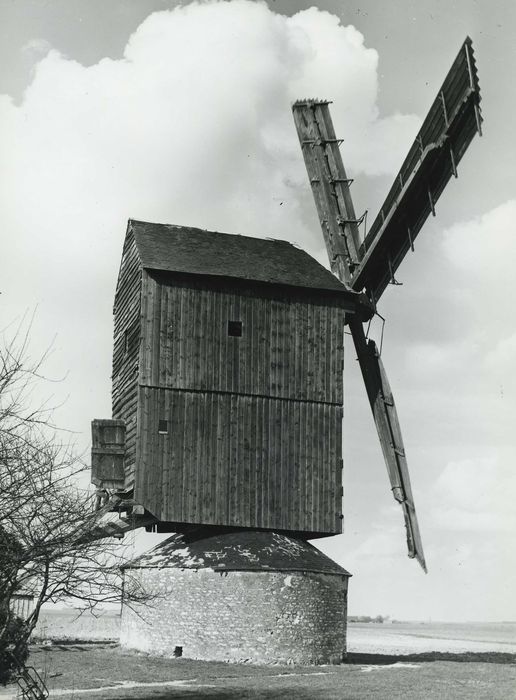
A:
[126,344]
[288,349]
[163,477]
[253,423]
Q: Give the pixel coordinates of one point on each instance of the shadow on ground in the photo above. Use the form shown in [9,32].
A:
[225,694]
[486,657]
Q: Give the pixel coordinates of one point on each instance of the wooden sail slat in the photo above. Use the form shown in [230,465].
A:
[447,131]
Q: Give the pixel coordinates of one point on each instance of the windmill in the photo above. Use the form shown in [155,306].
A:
[227,402]
[369,266]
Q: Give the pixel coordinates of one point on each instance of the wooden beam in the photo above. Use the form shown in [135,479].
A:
[330,186]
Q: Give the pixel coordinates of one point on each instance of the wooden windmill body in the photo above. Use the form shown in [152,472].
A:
[228,355]
[227,382]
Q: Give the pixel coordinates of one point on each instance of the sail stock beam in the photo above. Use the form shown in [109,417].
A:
[330,186]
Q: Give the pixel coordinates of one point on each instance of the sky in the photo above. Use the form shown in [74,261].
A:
[180,113]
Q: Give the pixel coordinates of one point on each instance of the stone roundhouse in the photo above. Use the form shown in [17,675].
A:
[295,600]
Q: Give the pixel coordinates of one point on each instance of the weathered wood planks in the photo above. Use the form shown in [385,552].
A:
[211,449]
[126,345]
[291,347]
[248,422]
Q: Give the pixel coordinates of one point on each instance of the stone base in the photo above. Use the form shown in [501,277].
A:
[241,597]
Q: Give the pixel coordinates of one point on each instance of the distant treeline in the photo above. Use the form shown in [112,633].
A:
[367,618]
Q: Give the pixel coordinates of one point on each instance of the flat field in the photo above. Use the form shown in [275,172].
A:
[76,672]
[418,637]
[420,661]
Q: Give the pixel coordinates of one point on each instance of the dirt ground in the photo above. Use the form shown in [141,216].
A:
[105,671]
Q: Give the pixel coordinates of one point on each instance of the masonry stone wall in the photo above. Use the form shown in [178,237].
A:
[254,616]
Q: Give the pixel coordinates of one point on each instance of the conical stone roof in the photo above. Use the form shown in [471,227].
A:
[246,550]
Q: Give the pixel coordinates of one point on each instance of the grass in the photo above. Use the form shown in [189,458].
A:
[105,671]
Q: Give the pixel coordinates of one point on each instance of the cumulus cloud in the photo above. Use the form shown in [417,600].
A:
[482,253]
[454,327]
[476,495]
[36,48]
[192,126]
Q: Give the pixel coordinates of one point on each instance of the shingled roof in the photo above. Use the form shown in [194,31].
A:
[195,251]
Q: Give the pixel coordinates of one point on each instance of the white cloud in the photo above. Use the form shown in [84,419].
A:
[192,126]
[36,48]
[482,253]
[455,332]
[475,495]
[485,245]
[500,360]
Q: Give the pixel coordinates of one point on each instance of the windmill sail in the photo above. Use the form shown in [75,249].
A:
[330,186]
[389,432]
[453,120]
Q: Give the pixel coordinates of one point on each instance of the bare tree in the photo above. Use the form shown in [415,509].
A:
[48,544]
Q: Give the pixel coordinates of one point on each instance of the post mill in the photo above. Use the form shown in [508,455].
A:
[227,402]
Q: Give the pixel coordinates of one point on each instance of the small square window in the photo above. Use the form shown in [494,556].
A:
[163,427]
[235,328]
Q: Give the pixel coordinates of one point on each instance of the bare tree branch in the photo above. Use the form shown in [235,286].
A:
[46,521]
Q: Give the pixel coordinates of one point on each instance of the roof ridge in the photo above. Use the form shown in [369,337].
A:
[188,227]
[214,254]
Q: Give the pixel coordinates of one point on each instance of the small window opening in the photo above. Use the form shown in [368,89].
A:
[178,651]
[163,427]
[235,328]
